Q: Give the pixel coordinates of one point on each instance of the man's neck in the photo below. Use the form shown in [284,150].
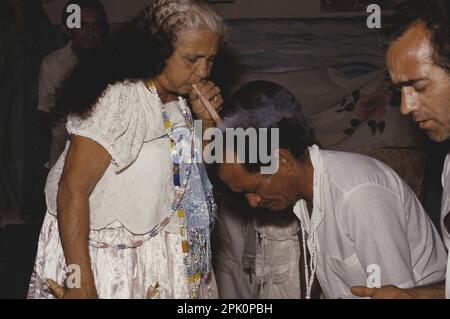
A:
[305,179]
[75,49]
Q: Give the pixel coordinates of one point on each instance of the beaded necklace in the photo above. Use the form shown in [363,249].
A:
[309,277]
[193,278]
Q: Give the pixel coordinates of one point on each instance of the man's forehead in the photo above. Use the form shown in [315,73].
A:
[90,14]
[409,57]
[235,175]
[231,170]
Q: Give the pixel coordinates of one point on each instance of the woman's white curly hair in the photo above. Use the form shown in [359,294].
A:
[173,16]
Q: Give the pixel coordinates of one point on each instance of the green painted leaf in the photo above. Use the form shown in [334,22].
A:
[356,94]
[355,122]
[350,107]
[381,126]
[349,131]
[373,126]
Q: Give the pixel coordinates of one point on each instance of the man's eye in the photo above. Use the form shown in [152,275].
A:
[192,60]
[420,88]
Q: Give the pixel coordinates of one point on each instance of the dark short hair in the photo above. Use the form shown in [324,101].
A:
[434,14]
[264,104]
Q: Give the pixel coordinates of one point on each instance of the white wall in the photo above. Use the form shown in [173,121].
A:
[121,10]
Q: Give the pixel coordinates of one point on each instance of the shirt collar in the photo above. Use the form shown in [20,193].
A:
[300,208]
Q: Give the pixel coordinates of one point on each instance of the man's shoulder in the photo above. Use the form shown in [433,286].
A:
[58,56]
[349,171]
[348,164]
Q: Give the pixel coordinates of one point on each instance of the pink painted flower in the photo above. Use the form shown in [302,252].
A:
[373,106]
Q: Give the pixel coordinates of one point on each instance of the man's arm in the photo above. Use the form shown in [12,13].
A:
[433,291]
[374,219]
[85,164]
[393,247]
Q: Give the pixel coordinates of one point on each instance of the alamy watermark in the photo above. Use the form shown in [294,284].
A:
[374,19]
[73,279]
[374,276]
[233,141]
[73,20]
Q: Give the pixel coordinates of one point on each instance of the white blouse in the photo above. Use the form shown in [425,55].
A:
[137,187]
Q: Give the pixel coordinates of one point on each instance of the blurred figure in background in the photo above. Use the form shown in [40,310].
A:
[26,36]
[57,66]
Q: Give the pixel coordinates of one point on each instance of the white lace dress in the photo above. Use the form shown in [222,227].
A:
[133,196]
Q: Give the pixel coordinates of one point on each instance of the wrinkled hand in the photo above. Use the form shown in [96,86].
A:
[61,293]
[385,292]
[210,92]
[152,292]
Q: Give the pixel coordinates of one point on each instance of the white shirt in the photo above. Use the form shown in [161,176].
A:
[54,69]
[136,189]
[445,208]
[365,215]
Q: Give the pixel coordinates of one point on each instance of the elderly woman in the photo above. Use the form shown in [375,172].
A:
[127,216]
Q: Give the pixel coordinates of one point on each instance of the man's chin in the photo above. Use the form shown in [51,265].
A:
[438,136]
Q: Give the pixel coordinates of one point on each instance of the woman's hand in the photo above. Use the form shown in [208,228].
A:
[84,166]
[75,293]
[209,92]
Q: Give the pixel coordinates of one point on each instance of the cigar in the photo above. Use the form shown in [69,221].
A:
[212,112]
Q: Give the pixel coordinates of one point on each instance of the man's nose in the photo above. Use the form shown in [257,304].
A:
[409,101]
[253,200]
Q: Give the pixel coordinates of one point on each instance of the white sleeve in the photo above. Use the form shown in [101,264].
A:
[47,89]
[118,122]
[376,222]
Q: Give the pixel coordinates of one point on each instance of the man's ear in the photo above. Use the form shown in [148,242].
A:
[285,159]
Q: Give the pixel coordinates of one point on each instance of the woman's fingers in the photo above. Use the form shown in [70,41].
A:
[211,93]
[56,289]
[211,109]
[217,103]
[207,89]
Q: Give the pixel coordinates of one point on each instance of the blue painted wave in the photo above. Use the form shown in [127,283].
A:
[279,45]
